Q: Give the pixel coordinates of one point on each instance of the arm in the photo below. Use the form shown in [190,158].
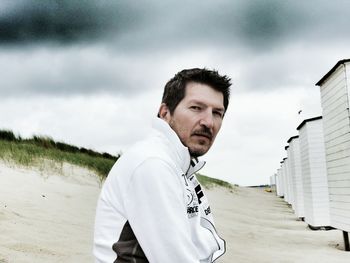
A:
[157,214]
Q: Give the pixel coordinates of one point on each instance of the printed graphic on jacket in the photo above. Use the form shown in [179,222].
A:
[195,197]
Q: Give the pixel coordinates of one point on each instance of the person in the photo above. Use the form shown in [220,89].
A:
[152,207]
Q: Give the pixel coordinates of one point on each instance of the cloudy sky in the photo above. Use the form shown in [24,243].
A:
[91,73]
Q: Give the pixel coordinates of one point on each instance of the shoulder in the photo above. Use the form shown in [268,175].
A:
[152,152]
[147,162]
[153,148]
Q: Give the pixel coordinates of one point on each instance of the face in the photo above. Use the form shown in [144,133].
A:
[197,118]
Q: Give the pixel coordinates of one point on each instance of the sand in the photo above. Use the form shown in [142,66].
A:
[47,215]
[261,227]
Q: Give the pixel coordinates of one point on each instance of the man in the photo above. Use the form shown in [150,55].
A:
[151,207]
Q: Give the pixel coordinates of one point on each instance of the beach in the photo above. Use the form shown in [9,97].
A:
[260,227]
[47,215]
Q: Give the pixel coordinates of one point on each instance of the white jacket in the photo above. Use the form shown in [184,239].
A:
[151,205]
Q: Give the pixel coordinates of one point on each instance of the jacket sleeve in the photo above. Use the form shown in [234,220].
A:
[157,213]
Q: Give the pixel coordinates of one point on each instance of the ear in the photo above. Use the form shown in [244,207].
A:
[164,112]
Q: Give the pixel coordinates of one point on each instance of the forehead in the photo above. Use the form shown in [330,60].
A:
[203,93]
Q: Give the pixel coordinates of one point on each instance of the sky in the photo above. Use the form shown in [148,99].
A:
[91,72]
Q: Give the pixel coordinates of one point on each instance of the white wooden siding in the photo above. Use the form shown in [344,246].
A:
[289,183]
[279,183]
[314,173]
[285,181]
[335,107]
[295,175]
[347,74]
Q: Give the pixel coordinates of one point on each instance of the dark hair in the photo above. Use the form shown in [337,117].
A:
[174,90]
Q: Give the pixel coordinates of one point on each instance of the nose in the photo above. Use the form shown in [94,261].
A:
[207,119]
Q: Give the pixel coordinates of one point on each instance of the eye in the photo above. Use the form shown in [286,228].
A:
[195,108]
[218,114]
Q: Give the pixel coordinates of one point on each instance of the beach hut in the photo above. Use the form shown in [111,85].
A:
[279,183]
[285,180]
[293,152]
[288,180]
[275,179]
[335,96]
[273,182]
[284,183]
[314,173]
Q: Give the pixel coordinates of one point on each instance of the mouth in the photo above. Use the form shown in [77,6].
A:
[203,135]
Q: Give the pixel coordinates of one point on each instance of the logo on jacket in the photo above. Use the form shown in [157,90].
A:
[199,193]
[189,196]
[207,211]
[192,203]
[192,210]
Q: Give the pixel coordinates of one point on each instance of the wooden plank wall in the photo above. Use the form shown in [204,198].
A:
[295,171]
[280,191]
[314,174]
[335,106]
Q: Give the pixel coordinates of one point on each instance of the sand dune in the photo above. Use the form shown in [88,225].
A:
[46,218]
[46,215]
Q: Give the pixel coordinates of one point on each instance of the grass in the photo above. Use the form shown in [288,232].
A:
[209,182]
[35,150]
[49,143]
[27,154]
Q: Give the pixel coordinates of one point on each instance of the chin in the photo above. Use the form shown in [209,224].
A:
[198,152]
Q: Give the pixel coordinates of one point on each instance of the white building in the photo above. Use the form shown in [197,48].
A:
[285,180]
[279,183]
[289,180]
[334,87]
[314,172]
[273,182]
[293,152]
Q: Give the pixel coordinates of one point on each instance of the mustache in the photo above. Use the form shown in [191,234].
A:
[204,131]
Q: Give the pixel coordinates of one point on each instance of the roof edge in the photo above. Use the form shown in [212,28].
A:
[325,77]
[307,120]
[292,138]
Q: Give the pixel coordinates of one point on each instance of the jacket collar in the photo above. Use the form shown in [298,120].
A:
[179,151]
[194,167]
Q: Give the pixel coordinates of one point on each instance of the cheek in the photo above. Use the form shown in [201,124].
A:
[182,131]
[218,125]
[186,132]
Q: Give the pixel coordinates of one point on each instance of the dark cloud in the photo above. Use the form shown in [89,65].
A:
[261,26]
[62,20]
[140,25]
[77,70]
[265,23]
[74,46]
[258,26]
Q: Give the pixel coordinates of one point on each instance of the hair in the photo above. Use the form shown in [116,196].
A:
[174,90]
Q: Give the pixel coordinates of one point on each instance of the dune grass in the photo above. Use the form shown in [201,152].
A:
[27,154]
[33,151]
[209,182]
